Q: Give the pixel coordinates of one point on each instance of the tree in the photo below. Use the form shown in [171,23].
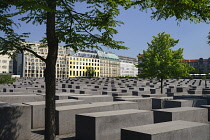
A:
[90,72]
[6,79]
[92,28]
[161,62]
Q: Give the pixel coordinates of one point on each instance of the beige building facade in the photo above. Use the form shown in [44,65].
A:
[109,64]
[6,64]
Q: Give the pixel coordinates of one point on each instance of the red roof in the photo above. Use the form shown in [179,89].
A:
[195,60]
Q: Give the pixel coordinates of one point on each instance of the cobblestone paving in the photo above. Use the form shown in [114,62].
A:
[38,134]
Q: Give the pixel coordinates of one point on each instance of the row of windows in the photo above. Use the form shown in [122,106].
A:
[5,67]
[83,59]
[81,73]
[3,61]
[83,63]
[82,67]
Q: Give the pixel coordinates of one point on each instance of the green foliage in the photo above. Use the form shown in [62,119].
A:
[118,76]
[7,79]
[160,61]
[90,72]
[197,71]
[193,10]
[93,27]
[191,77]
[203,77]
[126,76]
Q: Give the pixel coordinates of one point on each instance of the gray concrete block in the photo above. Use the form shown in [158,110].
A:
[207,107]
[21,98]
[127,97]
[195,91]
[65,115]
[106,125]
[64,96]
[159,103]
[143,103]
[93,98]
[182,89]
[170,90]
[175,130]
[38,111]
[109,92]
[15,122]
[154,95]
[121,94]
[183,96]
[181,113]
[187,102]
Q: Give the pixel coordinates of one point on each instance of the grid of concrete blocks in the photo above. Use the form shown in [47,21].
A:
[108,109]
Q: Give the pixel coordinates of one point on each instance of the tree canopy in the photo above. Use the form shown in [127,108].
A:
[160,61]
[93,27]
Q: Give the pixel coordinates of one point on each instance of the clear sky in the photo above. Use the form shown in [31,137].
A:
[138,29]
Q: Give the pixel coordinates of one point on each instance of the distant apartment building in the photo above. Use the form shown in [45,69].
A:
[78,63]
[27,65]
[201,64]
[72,64]
[127,66]
[6,64]
[109,64]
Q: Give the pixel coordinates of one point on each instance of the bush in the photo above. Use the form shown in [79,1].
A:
[7,79]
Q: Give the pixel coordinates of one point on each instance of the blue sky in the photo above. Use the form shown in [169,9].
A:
[138,29]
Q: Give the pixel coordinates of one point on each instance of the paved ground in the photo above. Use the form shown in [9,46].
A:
[38,134]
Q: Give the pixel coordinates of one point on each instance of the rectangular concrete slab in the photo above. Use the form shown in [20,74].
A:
[65,115]
[143,103]
[181,113]
[38,111]
[63,95]
[174,130]
[93,98]
[159,103]
[186,102]
[106,125]
[21,98]
[15,122]
[207,107]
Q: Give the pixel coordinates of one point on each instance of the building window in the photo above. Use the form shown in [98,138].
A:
[4,67]
[4,61]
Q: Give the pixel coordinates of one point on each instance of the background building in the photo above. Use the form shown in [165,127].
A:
[127,66]
[73,64]
[27,65]
[78,65]
[109,64]
[6,64]
[203,65]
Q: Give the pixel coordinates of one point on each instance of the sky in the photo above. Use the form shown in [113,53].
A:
[138,29]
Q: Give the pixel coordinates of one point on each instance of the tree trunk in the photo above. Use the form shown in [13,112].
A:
[50,72]
[161,80]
